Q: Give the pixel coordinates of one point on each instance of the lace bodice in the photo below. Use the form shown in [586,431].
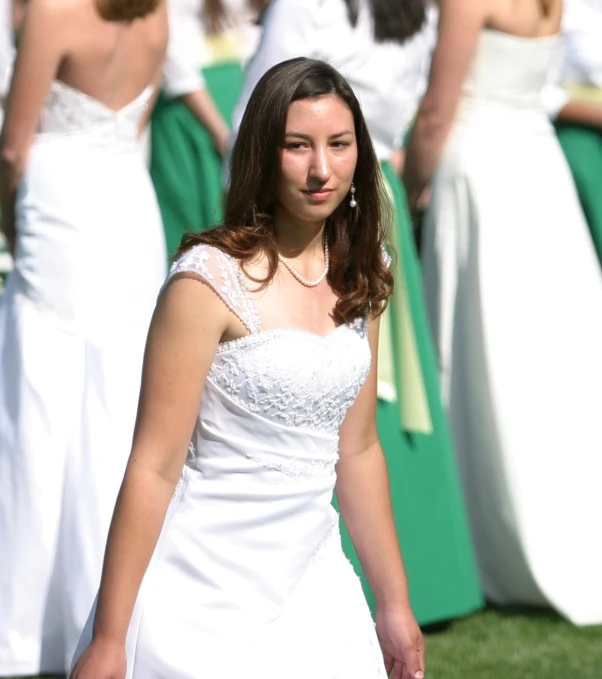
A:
[289,376]
[76,115]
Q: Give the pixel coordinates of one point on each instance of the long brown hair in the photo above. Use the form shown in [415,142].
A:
[358,274]
[126,10]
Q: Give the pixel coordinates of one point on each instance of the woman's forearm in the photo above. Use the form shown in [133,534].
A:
[206,112]
[364,499]
[139,514]
[423,152]
[584,113]
[11,170]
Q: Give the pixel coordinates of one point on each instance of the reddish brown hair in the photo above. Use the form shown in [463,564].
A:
[358,274]
[126,10]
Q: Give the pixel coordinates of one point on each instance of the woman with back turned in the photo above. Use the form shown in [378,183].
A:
[263,350]
[75,313]
[514,290]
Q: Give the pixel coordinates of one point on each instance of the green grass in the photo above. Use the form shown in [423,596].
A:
[513,644]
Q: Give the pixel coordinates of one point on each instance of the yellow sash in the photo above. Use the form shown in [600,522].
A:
[414,412]
[223,47]
[584,93]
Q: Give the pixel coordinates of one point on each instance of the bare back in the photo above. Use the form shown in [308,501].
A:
[525,18]
[111,61]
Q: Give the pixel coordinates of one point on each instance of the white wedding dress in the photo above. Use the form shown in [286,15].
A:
[248,578]
[514,290]
[89,264]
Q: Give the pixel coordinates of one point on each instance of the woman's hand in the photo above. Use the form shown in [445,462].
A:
[401,641]
[101,660]
[221,137]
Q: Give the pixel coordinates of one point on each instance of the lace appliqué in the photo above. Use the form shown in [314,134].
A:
[72,113]
[223,274]
[295,378]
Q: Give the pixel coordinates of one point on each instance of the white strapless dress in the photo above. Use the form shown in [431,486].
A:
[249,578]
[73,321]
[514,291]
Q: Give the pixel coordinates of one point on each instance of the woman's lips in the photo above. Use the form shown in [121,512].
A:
[320,194]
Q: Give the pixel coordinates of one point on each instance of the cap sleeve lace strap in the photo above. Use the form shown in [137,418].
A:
[222,273]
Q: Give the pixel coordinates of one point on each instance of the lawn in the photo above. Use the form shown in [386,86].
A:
[513,644]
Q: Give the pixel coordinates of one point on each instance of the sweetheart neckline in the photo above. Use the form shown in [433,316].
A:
[265,334]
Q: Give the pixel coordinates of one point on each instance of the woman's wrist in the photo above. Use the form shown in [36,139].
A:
[107,640]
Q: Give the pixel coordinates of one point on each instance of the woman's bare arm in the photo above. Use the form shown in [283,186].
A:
[460,24]
[363,493]
[201,105]
[186,328]
[364,499]
[41,49]
[588,114]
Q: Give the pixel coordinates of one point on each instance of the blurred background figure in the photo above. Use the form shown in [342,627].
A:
[574,102]
[7,49]
[209,41]
[514,290]
[75,313]
[383,48]
[6,62]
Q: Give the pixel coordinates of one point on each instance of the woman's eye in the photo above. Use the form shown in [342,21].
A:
[294,146]
[340,144]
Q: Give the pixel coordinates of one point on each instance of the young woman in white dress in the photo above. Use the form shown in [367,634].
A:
[234,567]
[383,47]
[75,313]
[514,290]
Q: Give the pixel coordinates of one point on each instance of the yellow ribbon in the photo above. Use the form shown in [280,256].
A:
[414,411]
[223,47]
[584,93]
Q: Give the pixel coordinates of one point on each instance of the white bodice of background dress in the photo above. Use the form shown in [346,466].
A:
[72,114]
[261,463]
[506,79]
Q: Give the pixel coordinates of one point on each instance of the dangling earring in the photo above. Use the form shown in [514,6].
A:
[352,202]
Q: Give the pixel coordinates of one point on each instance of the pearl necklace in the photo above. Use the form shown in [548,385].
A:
[300,278]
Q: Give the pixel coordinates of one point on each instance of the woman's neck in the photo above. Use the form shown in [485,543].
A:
[298,239]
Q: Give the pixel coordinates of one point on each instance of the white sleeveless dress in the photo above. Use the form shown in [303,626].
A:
[514,290]
[249,578]
[90,261]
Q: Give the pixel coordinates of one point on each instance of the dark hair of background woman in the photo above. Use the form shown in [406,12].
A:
[394,20]
[358,274]
[126,10]
[215,13]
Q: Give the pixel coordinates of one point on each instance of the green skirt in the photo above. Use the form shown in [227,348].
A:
[582,147]
[427,501]
[185,167]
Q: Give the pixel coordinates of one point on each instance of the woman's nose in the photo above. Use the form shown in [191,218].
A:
[320,167]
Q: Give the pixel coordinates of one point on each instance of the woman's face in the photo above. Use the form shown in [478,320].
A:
[318,158]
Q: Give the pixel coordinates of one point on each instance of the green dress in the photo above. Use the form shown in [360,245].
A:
[185,167]
[582,147]
[425,488]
